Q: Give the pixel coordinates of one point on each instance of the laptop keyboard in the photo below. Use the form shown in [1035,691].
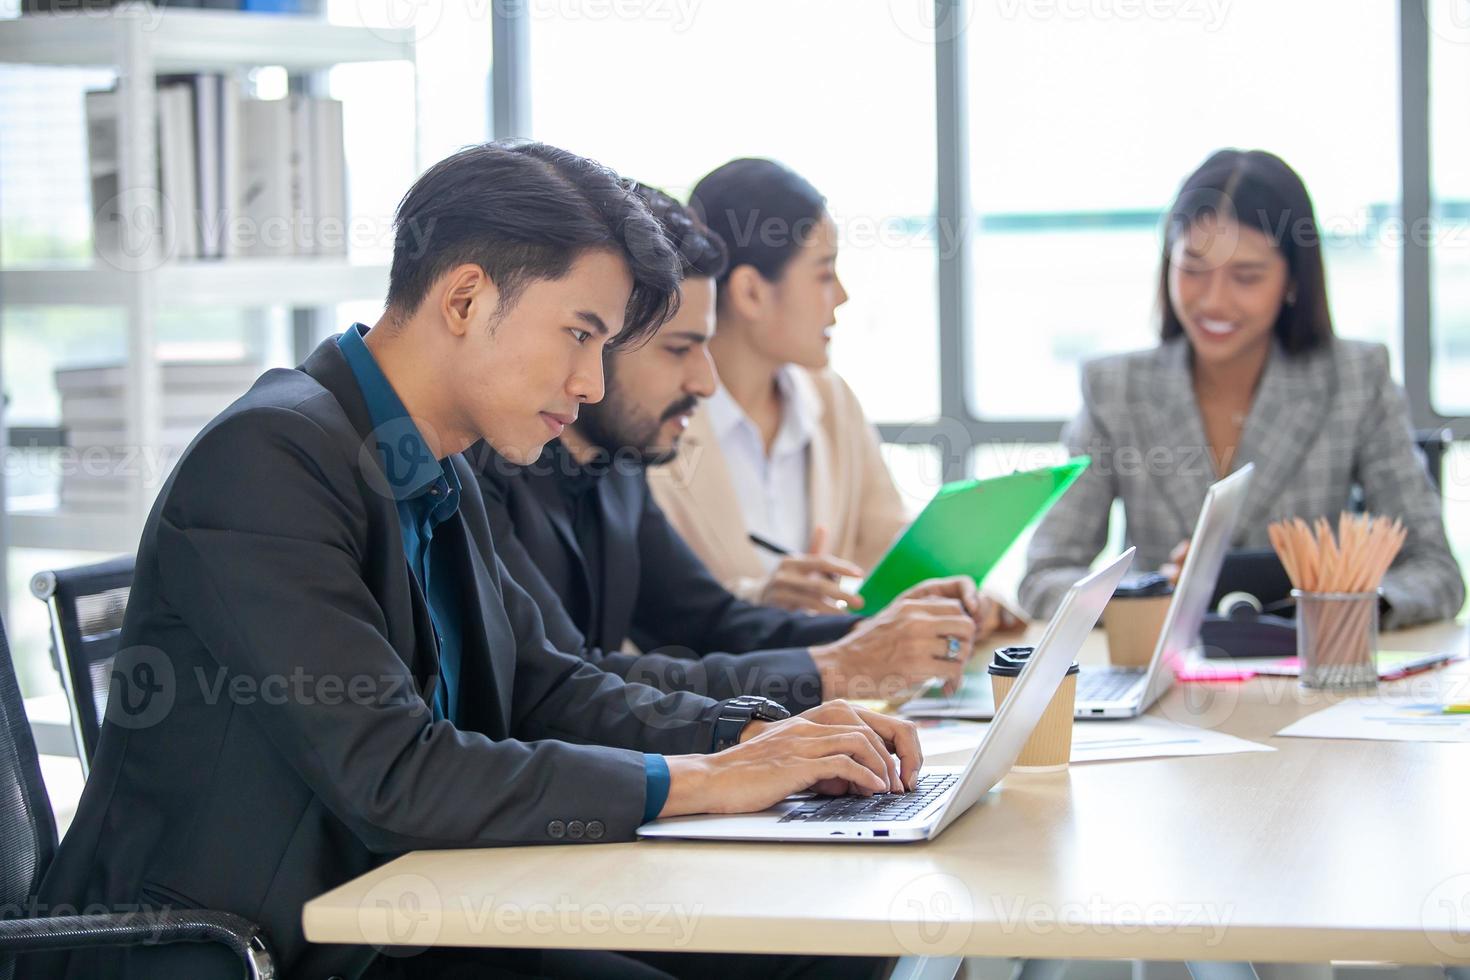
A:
[1106,685]
[884,807]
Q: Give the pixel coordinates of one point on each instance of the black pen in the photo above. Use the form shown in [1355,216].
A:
[769,545]
[777,550]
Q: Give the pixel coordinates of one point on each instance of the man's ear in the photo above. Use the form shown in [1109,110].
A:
[747,293]
[467,297]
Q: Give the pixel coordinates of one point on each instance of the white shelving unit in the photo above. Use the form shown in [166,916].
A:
[140,42]
[295,282]
[176,39]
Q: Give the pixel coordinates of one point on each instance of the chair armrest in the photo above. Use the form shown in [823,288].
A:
[142,928]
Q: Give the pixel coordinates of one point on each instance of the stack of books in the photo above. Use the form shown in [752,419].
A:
[102,469]
[249,6]
[238,176]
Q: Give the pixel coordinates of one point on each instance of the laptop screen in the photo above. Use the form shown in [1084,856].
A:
[1207,549]
[1023,707]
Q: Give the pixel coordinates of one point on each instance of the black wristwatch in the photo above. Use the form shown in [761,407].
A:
[736,713]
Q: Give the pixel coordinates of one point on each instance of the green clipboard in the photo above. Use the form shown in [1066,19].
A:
[966,529]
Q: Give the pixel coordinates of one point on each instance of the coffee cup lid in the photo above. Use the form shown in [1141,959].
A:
[1008,661]
[1143,586]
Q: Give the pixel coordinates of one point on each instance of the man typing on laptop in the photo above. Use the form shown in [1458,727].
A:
[943,793]
[376,682]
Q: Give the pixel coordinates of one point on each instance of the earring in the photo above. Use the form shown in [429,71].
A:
[1291,296]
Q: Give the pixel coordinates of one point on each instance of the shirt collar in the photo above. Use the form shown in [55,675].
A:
[799,409]
[408,464]
[574,478]
[799,413]
[725,414]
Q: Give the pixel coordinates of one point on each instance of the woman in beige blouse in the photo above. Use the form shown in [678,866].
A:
[783,450]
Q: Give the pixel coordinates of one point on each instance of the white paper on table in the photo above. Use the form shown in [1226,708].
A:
[942,736]
[1102,741]
[1391,719]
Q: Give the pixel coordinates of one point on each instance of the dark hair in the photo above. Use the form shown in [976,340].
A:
[763,211]
[524,212]
[701,251]
[1257,190]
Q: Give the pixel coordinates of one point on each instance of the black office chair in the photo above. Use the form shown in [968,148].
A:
[28,843]
[86,606]
[1434,443]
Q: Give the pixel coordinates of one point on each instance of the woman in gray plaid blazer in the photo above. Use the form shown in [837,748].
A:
[1248,371]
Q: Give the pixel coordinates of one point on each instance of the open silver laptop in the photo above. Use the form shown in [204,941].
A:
[944,792]
[1127,692]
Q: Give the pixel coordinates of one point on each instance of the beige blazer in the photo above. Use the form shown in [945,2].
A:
[850,490]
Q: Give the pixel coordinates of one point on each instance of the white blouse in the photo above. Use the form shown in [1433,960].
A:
[772,488]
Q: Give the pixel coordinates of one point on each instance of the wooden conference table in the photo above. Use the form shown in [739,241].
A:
[1321,850]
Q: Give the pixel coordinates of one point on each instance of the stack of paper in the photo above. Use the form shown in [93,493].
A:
[94,415]
[1384,719]
[1098,741]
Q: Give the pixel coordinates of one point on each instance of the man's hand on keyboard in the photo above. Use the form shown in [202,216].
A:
[834,749]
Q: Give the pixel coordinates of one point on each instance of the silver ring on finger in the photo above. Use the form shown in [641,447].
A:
[952,649]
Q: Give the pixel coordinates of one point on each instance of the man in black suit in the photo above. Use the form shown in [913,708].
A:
[580,532]
[324,663]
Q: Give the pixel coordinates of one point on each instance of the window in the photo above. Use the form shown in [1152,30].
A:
[446,103]
[917,472]
[442,101]
[43,155]
[1449,133]
[841,92]
[1084,120]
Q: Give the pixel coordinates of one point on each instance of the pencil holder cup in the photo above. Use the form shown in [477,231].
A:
[1337,639]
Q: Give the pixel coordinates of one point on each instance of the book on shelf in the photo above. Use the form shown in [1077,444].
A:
[265,179]
[239,176]
[104,179]
[176,170]
[231,375]
[112,436]
[231,125]
[105,485]
[328,166]
[247,6]
[208,132]
[178,406]
[280,6]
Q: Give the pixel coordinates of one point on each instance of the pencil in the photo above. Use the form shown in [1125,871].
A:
[1350,561]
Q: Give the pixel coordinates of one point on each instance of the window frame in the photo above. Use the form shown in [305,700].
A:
[958,430]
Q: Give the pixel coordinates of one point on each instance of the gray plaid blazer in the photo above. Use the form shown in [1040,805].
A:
[1321,423]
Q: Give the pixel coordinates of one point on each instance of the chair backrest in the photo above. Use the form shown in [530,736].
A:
[86,604]
[1434,443]
[27,828]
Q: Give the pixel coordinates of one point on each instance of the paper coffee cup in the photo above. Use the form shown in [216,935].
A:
[1133,626]
[1050,744]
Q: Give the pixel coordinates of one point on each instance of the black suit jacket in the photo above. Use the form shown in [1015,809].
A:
[287,745]
[657,592]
